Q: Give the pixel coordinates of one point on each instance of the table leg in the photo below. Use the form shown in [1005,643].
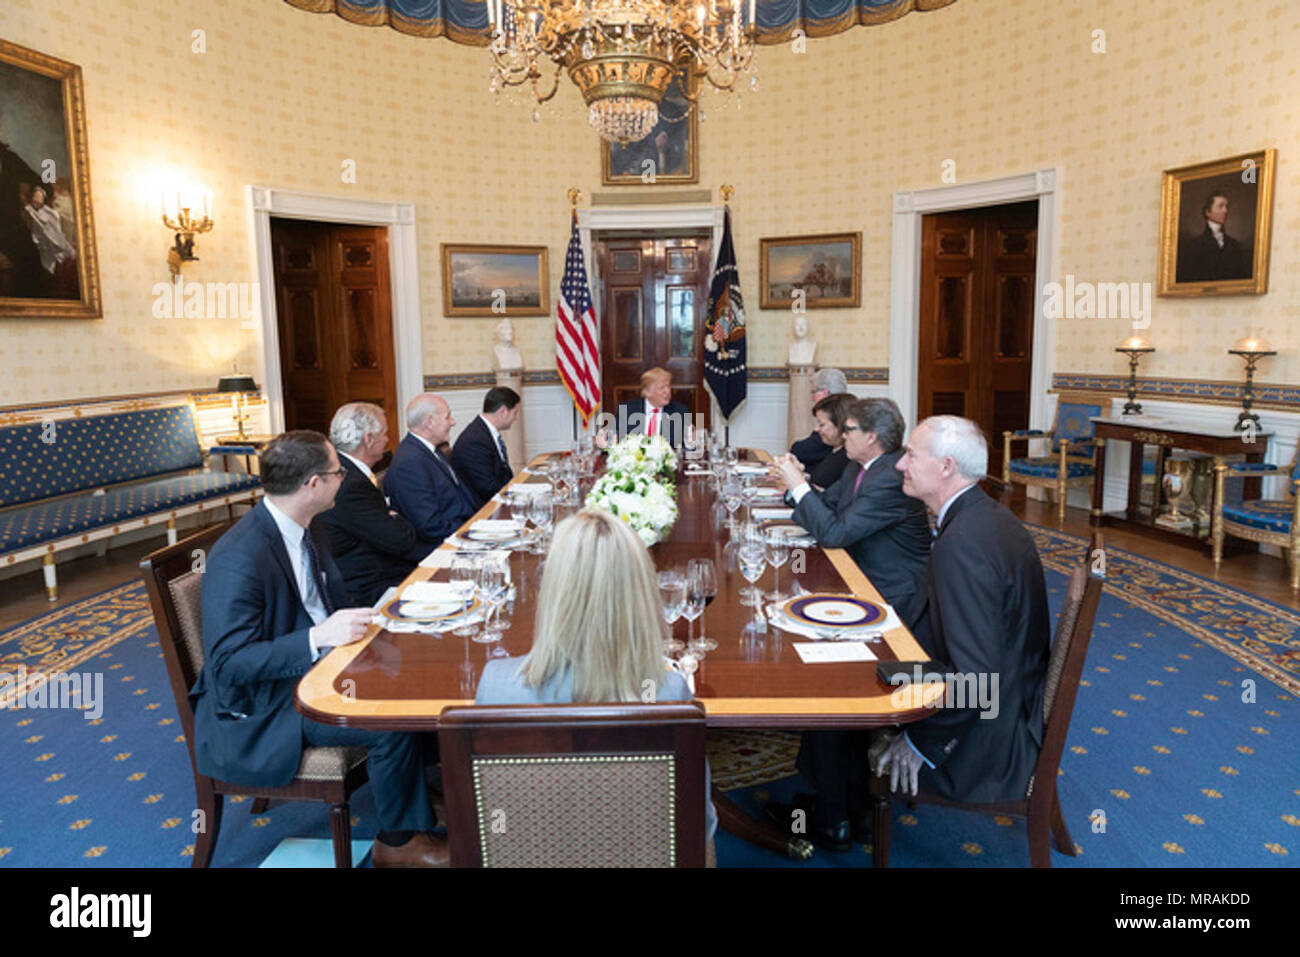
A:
[1135,455]
[1099,484]
[735,821]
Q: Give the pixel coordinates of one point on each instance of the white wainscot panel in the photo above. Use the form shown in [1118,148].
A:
[548,419]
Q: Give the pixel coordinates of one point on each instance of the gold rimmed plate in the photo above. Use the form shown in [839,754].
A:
[823,610]
[399,609]
[491,536]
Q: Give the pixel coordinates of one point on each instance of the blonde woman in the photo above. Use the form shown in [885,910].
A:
[598,633]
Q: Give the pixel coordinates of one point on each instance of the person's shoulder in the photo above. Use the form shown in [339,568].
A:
[502,683]
[674,688]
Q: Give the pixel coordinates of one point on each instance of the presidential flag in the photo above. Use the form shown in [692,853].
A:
[575,333]
[724,342]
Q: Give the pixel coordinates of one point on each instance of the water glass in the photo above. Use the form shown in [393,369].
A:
[542,512]
[494,586]
[464,577]
[752,560]
[672,593]
[778,553]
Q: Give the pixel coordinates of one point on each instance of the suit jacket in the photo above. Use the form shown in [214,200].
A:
[1201,259]
[477,460]
[502,683]
[984,612]
[255,648]
[427,492]
[884,530]
[672,420]
[372,548]
[810,451]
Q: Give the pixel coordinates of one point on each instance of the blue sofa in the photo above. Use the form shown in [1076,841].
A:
[67,482]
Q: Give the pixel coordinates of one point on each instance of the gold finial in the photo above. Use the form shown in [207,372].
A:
[727,192]
[575,194]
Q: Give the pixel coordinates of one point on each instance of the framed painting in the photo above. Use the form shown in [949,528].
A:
[1215,225]
[826,271]
[668,156]
[495,280]
[48,265]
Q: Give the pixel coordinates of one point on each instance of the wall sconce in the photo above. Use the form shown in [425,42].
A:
[238,384]
[1252,348]
[178,218]
[1133,347]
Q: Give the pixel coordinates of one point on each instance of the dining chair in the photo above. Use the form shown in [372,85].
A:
[567,785]
[173,577]
[1040,807]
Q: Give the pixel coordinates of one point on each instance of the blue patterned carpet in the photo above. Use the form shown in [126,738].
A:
[1183,737]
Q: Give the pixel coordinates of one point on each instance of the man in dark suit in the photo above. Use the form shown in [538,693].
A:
[479,455]
[655,413]
[273,603]
[983,613]
[886,533]
[811,450]
[1212,255]
[373,546]
[421,483]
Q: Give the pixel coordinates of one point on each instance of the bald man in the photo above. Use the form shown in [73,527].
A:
[421,483]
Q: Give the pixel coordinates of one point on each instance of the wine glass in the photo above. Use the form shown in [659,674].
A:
[464,578]
[493,584]
[731,497]
[750,534]
[731,456]
[542,511]
[701,589]
[778,553]
[672,592]
[752,559]
[748,495]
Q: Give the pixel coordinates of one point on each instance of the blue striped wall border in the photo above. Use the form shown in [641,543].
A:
[472,380]
[1267,395]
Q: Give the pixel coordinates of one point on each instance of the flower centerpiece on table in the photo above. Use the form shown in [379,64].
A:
[638,486]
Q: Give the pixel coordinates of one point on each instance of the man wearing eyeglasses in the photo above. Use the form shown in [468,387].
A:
[273,603]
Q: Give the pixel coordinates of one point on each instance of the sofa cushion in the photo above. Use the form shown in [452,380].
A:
[1272,515]
[1045,467]
[46,459]
[48,521]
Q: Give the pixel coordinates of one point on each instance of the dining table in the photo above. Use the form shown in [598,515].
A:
[755,678]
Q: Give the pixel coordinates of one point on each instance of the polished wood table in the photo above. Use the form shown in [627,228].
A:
[402,682]
[1166,435]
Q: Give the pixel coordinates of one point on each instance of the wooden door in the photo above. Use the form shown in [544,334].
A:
[654,296]
[977,318]
[333,312]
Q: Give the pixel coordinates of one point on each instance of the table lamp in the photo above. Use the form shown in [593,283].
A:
[1134,346]
[1252,348]
[238,384]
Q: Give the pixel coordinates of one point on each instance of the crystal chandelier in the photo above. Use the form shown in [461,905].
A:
[622,54]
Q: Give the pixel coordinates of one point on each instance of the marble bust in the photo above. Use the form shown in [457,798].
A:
[505,353]
[802,348]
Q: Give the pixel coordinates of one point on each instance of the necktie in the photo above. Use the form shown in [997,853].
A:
[858,483]
[501,444]
[314,589]
[446,467]
[653,427]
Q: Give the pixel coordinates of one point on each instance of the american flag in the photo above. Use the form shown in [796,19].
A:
[575,333]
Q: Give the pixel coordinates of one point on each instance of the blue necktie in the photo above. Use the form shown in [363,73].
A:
[315,580]
[501,444]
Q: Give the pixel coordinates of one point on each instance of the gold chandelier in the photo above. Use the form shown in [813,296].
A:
[622,54]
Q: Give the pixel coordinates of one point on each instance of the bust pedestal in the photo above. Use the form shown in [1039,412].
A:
[514,436]
[799,420]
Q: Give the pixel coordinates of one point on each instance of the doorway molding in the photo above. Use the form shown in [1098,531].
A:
[905,277]
[265,202]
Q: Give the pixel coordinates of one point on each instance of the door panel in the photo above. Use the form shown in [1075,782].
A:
[977,317]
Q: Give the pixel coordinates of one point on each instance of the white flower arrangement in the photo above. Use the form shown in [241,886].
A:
[638,486]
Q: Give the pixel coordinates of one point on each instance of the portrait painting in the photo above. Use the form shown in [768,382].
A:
[823,271]
[48,265]
[1215,226]
[494,280]
[669,155]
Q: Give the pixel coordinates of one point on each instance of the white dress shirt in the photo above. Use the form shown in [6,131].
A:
[292,534]
[365,469]
[496,435]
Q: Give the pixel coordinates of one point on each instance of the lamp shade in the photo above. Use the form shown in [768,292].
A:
[236,382]
[1252,343]
[1136,343]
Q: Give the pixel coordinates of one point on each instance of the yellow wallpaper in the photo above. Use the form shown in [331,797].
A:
[282,97]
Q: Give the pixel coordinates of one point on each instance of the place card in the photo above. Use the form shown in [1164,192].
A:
[829,652]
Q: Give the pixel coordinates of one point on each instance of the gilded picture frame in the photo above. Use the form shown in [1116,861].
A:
[49,266]
[827,267]
[668,156]
[485,280]
[1216,223]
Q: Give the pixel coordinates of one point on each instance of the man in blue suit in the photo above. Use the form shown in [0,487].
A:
[480,456]
[272,603]
[422,485]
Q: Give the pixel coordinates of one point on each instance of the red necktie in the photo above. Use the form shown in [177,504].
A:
[653,428]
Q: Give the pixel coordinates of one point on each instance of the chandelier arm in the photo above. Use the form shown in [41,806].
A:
[555,84]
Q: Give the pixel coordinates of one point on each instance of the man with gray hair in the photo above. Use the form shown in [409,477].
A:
[373,546]
[422,484]
[812,450]
[886,533]
[983,613]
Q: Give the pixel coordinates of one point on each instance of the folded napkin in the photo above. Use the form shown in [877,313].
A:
[767,514]
[750,469]
[492,525]
[829,633]
[523,490]
[438,558]
[495,525]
